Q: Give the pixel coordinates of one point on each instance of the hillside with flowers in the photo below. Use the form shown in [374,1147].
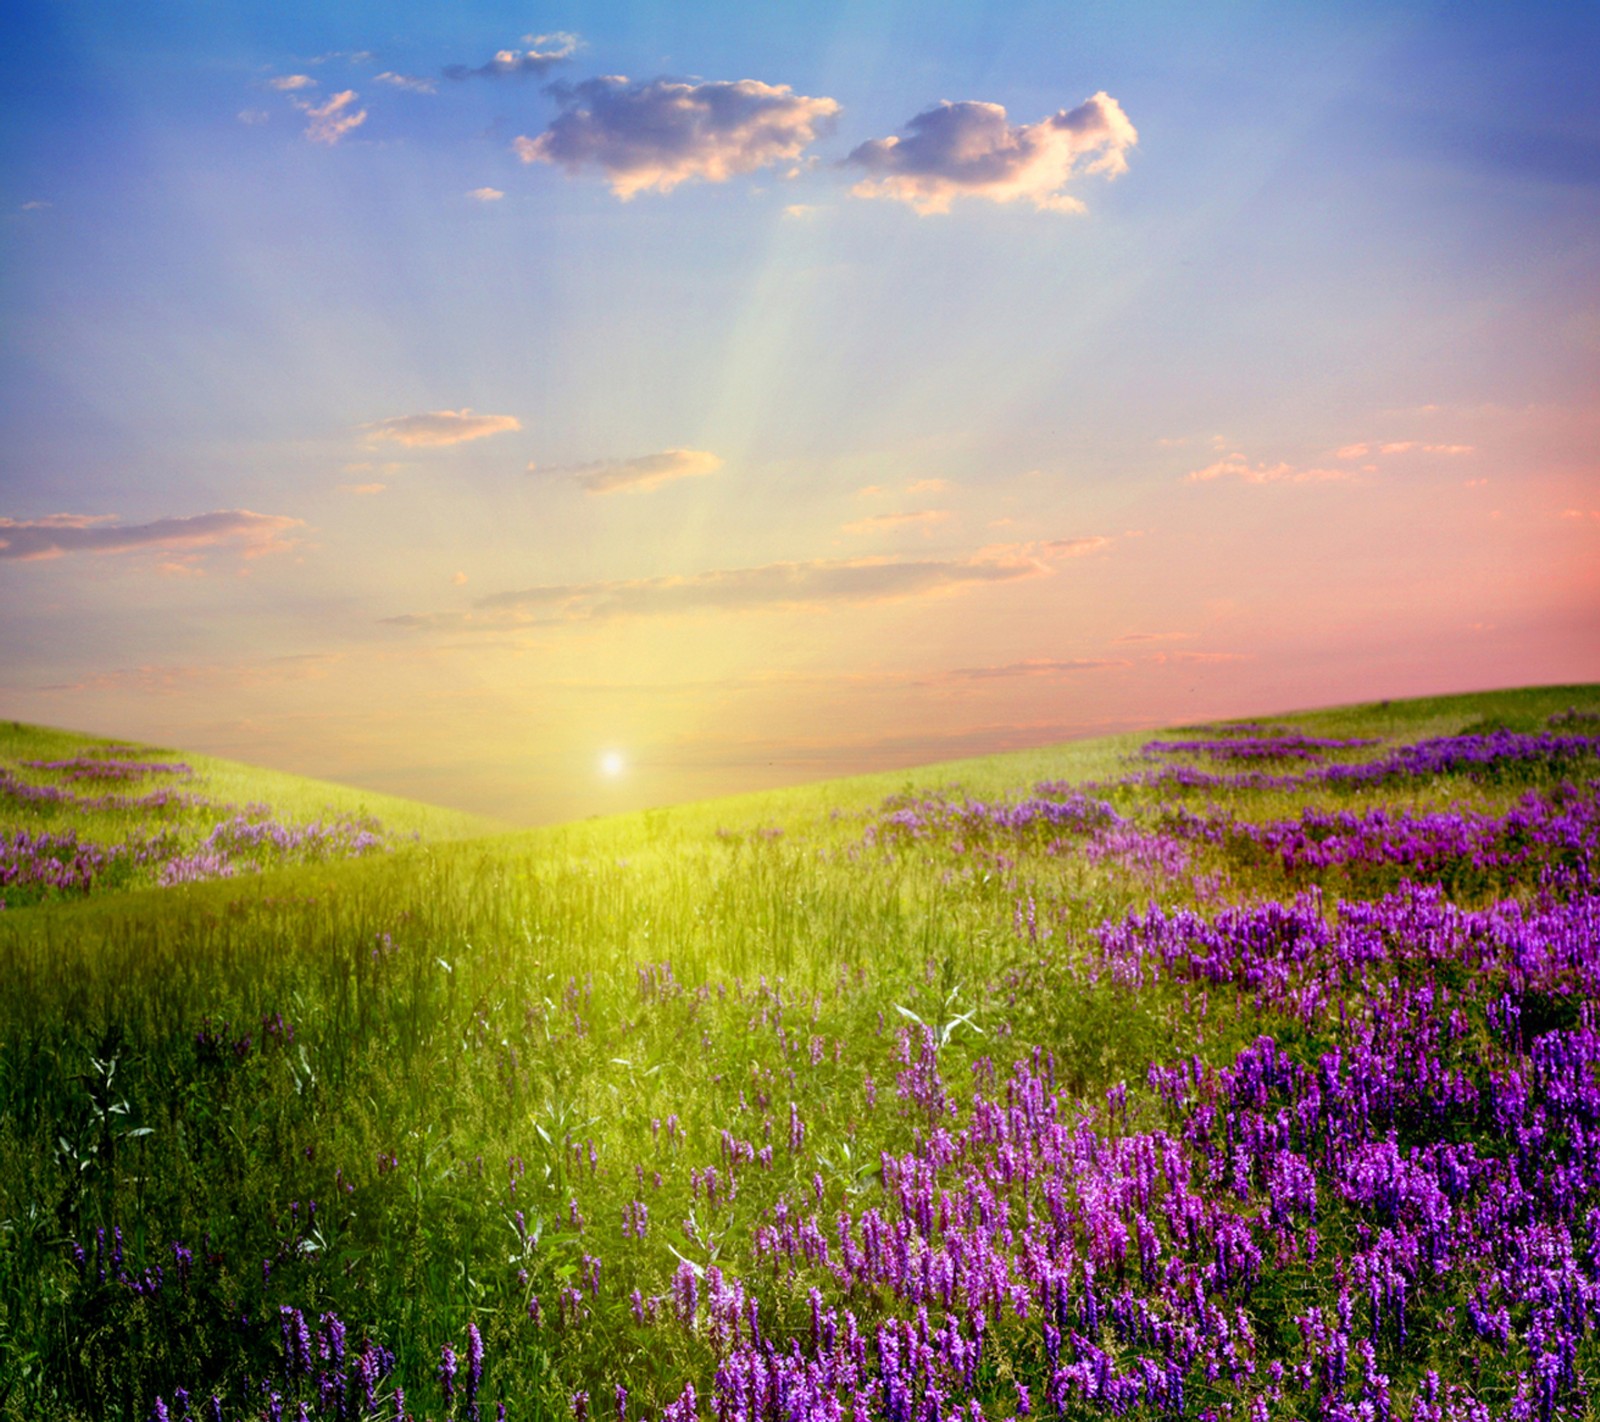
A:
[1243,1071]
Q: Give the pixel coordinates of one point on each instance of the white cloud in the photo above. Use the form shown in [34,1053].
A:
[659,133]
[412,83]
[643,472]
[968,149]
[544,51]
[439,427]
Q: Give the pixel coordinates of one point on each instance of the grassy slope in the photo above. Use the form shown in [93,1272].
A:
[476,1000]
[292,797]
[1011,772]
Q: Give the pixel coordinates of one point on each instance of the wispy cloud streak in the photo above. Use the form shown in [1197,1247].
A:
[639,474]
[925,519]
[437,428]
[816,584]
[1035,667]
[249,533]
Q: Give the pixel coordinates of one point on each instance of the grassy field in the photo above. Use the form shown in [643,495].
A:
[1249,1074]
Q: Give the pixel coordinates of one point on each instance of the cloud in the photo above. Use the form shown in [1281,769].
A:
[643,472]
[1236,466]
[1034,667]
[330,121]
[877,523]
[486,194]
[1406,446]
[439,427]
[183,680]
[289,83]
[251,534]
[968,149]
[412,83]
[1070,547]
[659,133]
[815,584]
[545,51]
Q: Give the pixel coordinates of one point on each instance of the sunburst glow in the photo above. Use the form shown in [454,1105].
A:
[787,392]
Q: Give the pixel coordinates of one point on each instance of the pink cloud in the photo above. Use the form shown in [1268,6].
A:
[1236,466]
[641,473]
[439,427]
[1035,667]
[1407,446]
[803,585]
[878,523]
[330,121]
[250,534]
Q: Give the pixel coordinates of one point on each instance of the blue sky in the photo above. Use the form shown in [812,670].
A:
[758,455]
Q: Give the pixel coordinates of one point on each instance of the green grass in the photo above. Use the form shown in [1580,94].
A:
[471,1012]
[225,782]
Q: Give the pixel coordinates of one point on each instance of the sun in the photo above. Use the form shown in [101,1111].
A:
[611,764]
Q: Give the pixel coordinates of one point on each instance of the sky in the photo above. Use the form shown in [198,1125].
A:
[559,408]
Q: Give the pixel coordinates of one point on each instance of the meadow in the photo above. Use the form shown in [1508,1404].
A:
[1240,1071]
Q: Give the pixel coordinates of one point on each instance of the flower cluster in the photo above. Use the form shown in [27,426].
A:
[1426,1188]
